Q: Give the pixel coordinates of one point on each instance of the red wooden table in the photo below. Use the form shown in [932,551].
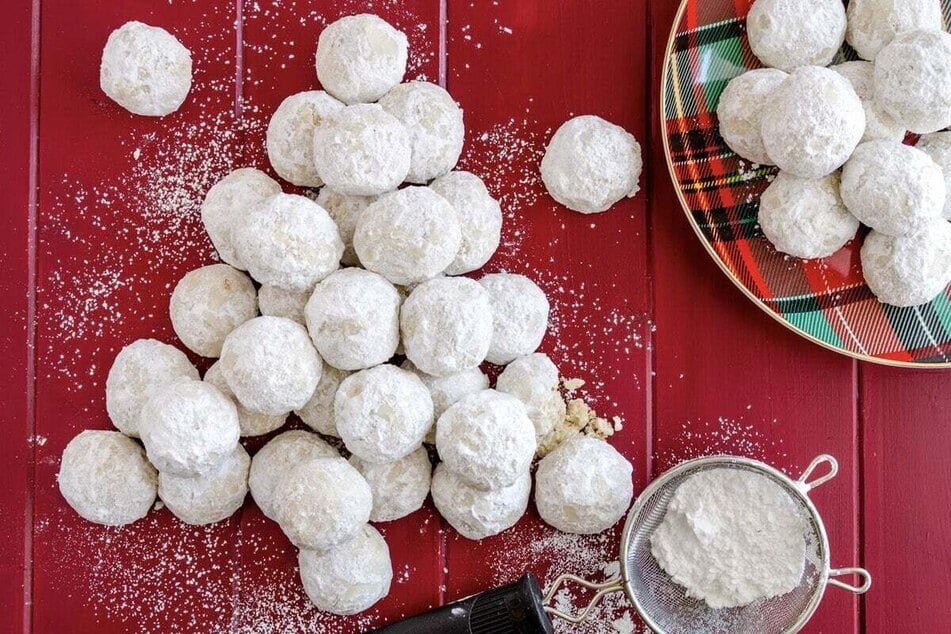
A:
[101,219]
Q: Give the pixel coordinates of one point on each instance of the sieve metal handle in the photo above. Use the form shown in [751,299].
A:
[861,573]
[601,590]
[806,484]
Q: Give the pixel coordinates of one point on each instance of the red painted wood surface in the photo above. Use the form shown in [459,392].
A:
[641,314]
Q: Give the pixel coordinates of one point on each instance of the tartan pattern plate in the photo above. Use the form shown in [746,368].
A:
[826,300]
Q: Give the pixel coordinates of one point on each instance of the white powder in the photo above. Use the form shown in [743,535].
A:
[731,537]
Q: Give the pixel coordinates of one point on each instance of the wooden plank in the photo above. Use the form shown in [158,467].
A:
[731,380]
[906,498]
[279,41]
[118,225]
[17,248]
[519,70]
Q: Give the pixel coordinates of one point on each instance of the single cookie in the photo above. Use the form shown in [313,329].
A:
[353,319]
[360,57]
[400,487]
[590,164]
[486,439]
[408,236]
[349,578]
[519,316]
[139,369]
[383,413]
[188,428]
[208,303]
[145,70]
[289,241]
[434,122]
[893,188]
[211,497]
[812,122]
[290,135]
[446,324]
[583,487]
[270,365]
[477,514]
[479,216]
[740,112]
[806,217]
[227,205]
[105,477]
[786,34]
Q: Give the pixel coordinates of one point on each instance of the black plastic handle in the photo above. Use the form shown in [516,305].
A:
[517,608]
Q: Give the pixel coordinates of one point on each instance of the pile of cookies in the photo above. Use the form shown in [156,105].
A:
[837,135]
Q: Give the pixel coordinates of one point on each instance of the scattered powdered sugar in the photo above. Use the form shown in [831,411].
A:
[506,157]
[159,575]
[723,436]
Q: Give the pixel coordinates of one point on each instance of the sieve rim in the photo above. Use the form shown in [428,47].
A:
[795,487]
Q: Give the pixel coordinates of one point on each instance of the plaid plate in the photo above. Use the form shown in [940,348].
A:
[825,300]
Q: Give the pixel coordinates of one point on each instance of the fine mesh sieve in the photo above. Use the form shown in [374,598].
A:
[663,604]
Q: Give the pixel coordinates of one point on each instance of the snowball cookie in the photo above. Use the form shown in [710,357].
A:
[318,412]
[211,497]
[805,217]
[289,241]
[590,164]
[362,150]
[913,80]
[321,503]
[812,122]
[188,428]
[345,210]
[290,136]
[740,112]
[145,69]
[519,316]
[208,303]
[399,487]
[270,365]
[786,34]
[278,302]
[408,236]
[533,379]
[349,578]
[584,486]
[275,460]
[908,271]
[446,324]
[434,122]
[446,390]
[250,423]
[228,203]
[360,58]
[487,439]
[140,368]
[873,24]
[106,478]
[477,514]
[938,147]
[353,319]
[893,188]
[479,216]
[383,413]
[878,123]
